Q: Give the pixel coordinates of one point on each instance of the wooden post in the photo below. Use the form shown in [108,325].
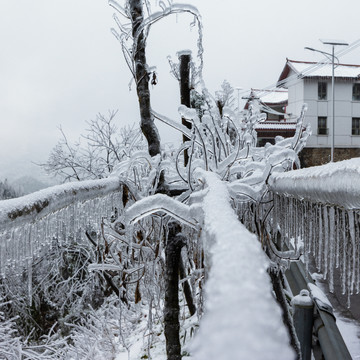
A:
[185,59]
[171,310]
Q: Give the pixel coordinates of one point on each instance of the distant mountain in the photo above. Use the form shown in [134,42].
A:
[28,184]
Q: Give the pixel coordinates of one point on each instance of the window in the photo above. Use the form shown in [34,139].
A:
[356,92]
[355,128]
[322,88]
[322,125]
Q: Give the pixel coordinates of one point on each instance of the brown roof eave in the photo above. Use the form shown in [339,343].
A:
[329,77]
[284,74]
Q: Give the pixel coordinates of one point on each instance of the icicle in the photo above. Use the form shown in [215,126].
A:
[344,257]
[337,237]
[310,226]
[320,244]
[353,251]
[357,236]
[29,264]
[306,234]
[348,271]
[326,241]
[2,255]
[331,247]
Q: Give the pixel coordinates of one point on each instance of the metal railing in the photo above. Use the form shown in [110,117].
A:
[319,209]
[30,224]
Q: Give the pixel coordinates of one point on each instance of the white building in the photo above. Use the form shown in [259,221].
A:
[310,83]
[273,103]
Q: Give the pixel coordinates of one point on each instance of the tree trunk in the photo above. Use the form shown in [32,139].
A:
[142,80]
[171,311]
[186,288]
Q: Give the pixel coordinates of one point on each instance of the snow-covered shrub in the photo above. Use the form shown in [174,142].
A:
[10,345]
[62,291]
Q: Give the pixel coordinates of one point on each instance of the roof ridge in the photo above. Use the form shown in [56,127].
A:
[314,62]
[270,90]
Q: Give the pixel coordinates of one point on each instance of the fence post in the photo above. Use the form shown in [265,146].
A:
[184,70]
[171,307]
[303,314]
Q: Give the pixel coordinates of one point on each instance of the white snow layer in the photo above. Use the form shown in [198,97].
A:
[40,203]
[242,319]
[334,183]
[342,70]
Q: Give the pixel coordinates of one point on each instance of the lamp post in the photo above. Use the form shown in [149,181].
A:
[333,43]
[238,88]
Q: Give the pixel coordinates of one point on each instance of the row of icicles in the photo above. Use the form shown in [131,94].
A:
[329,234]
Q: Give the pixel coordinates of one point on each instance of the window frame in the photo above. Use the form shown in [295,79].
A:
[322,90]
[356,92]
[355,126]
[321,130]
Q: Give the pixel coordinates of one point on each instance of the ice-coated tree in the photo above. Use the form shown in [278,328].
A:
[105,146]
[224,97]
[7,191]
[133,39]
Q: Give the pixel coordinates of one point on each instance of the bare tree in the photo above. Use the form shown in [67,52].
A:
[105,147]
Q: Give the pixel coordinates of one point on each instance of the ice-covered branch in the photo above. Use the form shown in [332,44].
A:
[163,204]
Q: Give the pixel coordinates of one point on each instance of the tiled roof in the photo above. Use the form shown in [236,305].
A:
[271,97]
[312,69]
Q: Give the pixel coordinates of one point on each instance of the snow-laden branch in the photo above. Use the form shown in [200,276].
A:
[170,10]
[160,203]
[241,311]
[172,123]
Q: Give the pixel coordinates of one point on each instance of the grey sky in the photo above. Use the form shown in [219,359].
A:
[60,65]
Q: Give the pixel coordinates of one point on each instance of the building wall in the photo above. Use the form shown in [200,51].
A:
[311,156]
[306,91]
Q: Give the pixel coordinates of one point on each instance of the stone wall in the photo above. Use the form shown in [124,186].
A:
[320,156]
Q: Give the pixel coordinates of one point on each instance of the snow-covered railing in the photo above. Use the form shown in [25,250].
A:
[29,225]
[242,319]
[321,206]
[331,184]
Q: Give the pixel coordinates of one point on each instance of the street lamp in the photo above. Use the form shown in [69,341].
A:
[238,97]
[333,43]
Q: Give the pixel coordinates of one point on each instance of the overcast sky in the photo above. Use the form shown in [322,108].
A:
[60,64]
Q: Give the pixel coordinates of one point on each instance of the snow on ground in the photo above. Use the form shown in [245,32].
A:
[350,332]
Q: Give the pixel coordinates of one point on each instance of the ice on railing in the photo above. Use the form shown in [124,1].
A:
[330,233]
[63,222]
[320,207]
[333,183]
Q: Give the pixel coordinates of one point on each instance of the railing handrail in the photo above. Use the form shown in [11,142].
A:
[31,207]
[333,184]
